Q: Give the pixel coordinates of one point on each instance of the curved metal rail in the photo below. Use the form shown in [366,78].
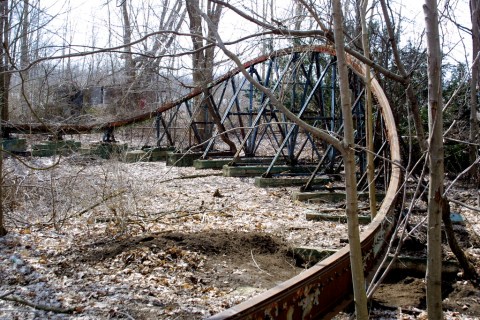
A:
[325,288]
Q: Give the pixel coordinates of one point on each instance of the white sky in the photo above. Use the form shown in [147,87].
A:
[88,20]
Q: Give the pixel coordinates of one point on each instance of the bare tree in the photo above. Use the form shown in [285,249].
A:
[348,153]
[24,51]
[345,146]
[435,160]
[203,62]
[474,88]
[127,40]
[4,86]
[413,102]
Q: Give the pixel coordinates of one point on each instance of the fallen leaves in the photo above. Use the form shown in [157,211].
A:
[48,266]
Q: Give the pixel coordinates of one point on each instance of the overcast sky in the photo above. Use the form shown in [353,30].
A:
[87,20]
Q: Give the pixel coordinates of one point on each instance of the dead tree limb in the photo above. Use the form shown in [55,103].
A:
[42,307]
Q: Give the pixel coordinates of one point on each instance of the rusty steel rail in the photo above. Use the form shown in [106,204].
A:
[326,288]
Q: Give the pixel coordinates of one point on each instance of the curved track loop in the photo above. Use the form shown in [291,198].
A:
[324,289]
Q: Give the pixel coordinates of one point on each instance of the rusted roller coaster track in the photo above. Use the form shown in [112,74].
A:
[324,289]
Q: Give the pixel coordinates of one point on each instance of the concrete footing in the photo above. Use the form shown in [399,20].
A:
[187,159]
[256,170]
[135,156]
[52,148]
[182,159]
[157,153]
[335,217]
[210,163]
[287,181]
[108,150]
[326,196]
[309,256]
[14,145]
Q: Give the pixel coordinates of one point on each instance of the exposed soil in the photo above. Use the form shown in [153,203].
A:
[402,295]
[215,261]
[405,295]
[237,257]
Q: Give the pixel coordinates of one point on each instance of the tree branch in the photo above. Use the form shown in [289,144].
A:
[42,307]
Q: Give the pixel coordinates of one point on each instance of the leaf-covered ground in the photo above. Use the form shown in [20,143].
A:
[111,240]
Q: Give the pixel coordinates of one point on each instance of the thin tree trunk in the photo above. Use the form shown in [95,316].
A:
[298,20]
[4,84]
[24,43]
[3,231]
[368,113]
[435,158]
[127,39]
[197,63]
[474,87]
[216,118]
[412,98]
[468,269]
[356,260]
[203,66]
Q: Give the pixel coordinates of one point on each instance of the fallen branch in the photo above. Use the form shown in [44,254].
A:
[8,297]
[113,195]
[192,177]
[256,264]
[6,294]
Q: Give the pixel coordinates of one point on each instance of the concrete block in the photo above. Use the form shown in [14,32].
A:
[326,196]
[135,156]
[255,171]
[210,163]
[14,145]
[311,216]
[309,256]
[287,182]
